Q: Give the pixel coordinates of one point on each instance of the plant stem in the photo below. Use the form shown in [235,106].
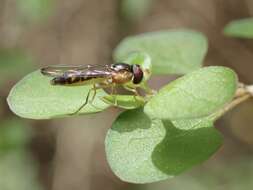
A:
[249,89]
[243,93]
[229,106]
[244,89]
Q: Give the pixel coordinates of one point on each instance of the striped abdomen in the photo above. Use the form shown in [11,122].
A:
[72,81]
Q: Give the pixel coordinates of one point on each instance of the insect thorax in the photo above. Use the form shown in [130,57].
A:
[122,77]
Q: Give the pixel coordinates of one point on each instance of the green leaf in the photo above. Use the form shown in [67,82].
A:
[35,10]
[240,28]
[171,51]
[16,62]
[197,94]
[124,101]
[140,150]
[133,10]
[34,97]
[129,145]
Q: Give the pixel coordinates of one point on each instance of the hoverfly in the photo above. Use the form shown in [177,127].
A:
[99,76]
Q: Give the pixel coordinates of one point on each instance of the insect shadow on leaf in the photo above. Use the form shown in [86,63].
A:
[181,149]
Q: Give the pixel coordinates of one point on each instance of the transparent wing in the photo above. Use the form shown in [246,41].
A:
[91,74]
[81,70]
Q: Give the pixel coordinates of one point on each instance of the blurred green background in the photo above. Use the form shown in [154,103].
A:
[65,154]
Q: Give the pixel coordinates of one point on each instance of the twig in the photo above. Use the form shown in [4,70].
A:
[230,106]
[249,89]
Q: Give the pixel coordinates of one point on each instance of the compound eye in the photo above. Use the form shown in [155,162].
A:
[138,74]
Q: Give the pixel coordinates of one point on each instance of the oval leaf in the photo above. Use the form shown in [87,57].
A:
[143,151]
[34,97]
[197,94]
[240,28]
[172,52]
[124,101]
[129,145]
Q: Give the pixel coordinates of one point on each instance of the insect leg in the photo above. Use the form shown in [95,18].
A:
[95,88]
[94,94]
[84,104]
[114,93]
[134,90]
[136,93]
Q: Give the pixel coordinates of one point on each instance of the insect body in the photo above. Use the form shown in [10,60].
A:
[97,75]
[118,73]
